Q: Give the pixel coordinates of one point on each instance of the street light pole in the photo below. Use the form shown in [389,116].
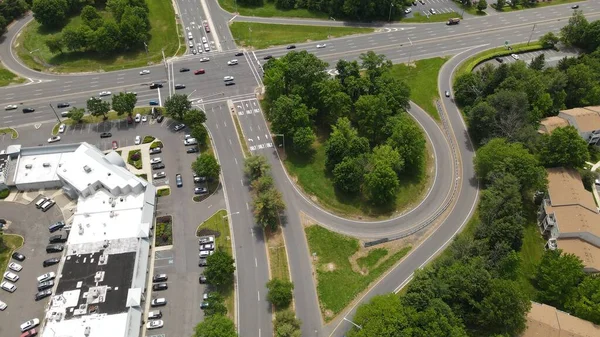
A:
[530,35]
[55,114]
[410,51]
[390,15]
[356,325]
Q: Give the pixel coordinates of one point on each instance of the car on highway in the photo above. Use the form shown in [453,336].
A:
[155,160]
[63,105]
[18,256]
[145,72]
[192,150]
[515,56]
[160,278]
[43,294]
[30,324]
[268,57]
[206,239]
[499,59]
[291,47]
[199,71]
[158,166]
[138,140]
[131,92]
[229,83]
[204,59]
[15,267]
[322,45]
[46,277]
[200,190]
[574,6]
[179,127]
[10,287]
[232,62]
[228,78]
[158,302]
[239,53]
[54,139]
[155,150]
[3,306]
[408,10]
[183,70]
[159,175]
[178,180]
[51,262]
[155,324]
[447,93]
[160,286]
[28,110]
[155,85]
[9,275]
[62,128]
[179,86]
[153,102]
[10,107]
[115,145]
[104,93]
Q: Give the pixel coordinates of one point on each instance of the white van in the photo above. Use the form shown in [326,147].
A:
[190,141]
[190,37]
[156,314]
[40,202]
[46,206]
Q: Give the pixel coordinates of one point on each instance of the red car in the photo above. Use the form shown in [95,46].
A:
[199,71]
[115,145]
[29,333]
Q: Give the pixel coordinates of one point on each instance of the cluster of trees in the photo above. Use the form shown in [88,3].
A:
[581,33]
[122,103]
[267,200]
[179,108]
[373,142]
[280,292]
[10,10]
[286,324]
[127,28]
[215,326]
[219,269]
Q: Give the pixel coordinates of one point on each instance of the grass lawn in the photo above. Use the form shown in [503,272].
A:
[164,231]
[156,144]
[269,10]
[143,176]
[531,253]
[240,134]
[421,77]
[266,35]
[32,49]
[163,192]
[7,77]
[13,242]
[506,9]
[337,281]
[441,17]
[148,139]
[311,175]
[218,226]
[137,163]
[278,262]
[12,132]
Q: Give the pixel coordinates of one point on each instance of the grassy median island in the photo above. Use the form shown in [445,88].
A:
[32,50]
[134,158]
[9,131]
[268,9]
[11,242]
[344,269]
[262,35]
[7,77]
[421,76]
[531,5]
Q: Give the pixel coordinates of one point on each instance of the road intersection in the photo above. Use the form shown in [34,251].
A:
[453,193]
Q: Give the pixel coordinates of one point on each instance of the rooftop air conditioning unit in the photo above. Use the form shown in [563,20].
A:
[46,164]
[87,331]
[28,166]
[87,169]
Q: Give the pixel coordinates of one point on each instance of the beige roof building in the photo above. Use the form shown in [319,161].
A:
[586,120]
[546,321]
[547,125]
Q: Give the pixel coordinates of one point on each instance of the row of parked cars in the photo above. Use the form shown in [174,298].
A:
[159,282]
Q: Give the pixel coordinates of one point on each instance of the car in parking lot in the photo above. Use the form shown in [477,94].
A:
[30,324]
[159,175]
[155,324]
[432,11]
[232,62]
[202,262]
[56,226]
[9,275]
[204,305]
[55,248]
[408,10]
[160,118]
[190,141]
[179,127]
[199,71]
[205,253]
[63,105]
[178,180]
[15,266]
[62,128]
[18,256]
[198,179]
[153,102]
[46,277]
[115,145]
[145,72]
[515,56]
[158,166]
[51,262]
[154,314]
[200,190]
[160,278]
[158,302]
[43,294]
[54,139]
[29,333]
[192,150]
[10,287]
[3,306]
[155,85]
[144,118]
[207,246]
[11,107]
[206,239]
[57,239]
[137,140]
[45,285]
[202,279]
[155,160]
[155,150]
[105,135]
[179,86]
[104,93]
[499,59]
[204,59]
[228,78]
[160,286]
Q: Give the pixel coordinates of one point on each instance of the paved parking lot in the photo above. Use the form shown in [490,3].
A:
[32,224]
[440,6]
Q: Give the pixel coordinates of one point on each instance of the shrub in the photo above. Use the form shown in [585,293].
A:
[4,193]
[148,139]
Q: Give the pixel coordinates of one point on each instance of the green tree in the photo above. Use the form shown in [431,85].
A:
[481,5]
[406,137]
[381,184]
[91,17]
[504,308]
[105,39]
[55,44]
[500,4]
[194,117]
[467,89]
[481,119]
[76,114]
[50,13]
[219,269]
[74,39]
[215,326]
[549,40]
[592,37]
[538,63]
[97,107]
[585,302]
[564,147]
[267,207]
[124,103]
[348,175]
[343,141]
[303,139]
[557,277]
[216,305]
[375,64]
[573,34]
[206,166]
[371,113]
[256,167]
[262,184]
[198,131]
[388,155]
[288,113]
[286,324]
[177,106]
[280,292]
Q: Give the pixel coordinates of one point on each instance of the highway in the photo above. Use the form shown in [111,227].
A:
[454,190]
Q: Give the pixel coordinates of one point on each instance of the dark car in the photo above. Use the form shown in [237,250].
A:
[202,263]
[160,278]
[202,279]
[574,6]
[199,71]
[63,105]
[203,305]
[56,248]
[291,47]
[56,226]
[229,83]
[105,135]
[26,110]
[179,86]
[43,294]
[192,150]
[51,262]
[499,59]
[414,3]
[268,57]
[57,239]
[160,286]
[155,85]
[183,70]
[160,118]
[179,127]
[179,180]
[18,256]
[45,285]
[158,166]
[239,54]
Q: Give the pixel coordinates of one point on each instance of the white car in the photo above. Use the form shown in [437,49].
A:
[322,45]
[408,10]
[155,324]
[232,62]
[15,266]
[204,39]
[62,128]
[104,93]
[138,118]
[206,253]
[145,72]
[11,276]
[131,92]
[8,286]
[10,107]
[228,78]
[159,175]
[432,11]
[46,277]
[138,140]
[204,59]
[190,141]
[144,118]
[30,324]
[155,160]
[3,306]
[54,139]
[515,56]
[206,239]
